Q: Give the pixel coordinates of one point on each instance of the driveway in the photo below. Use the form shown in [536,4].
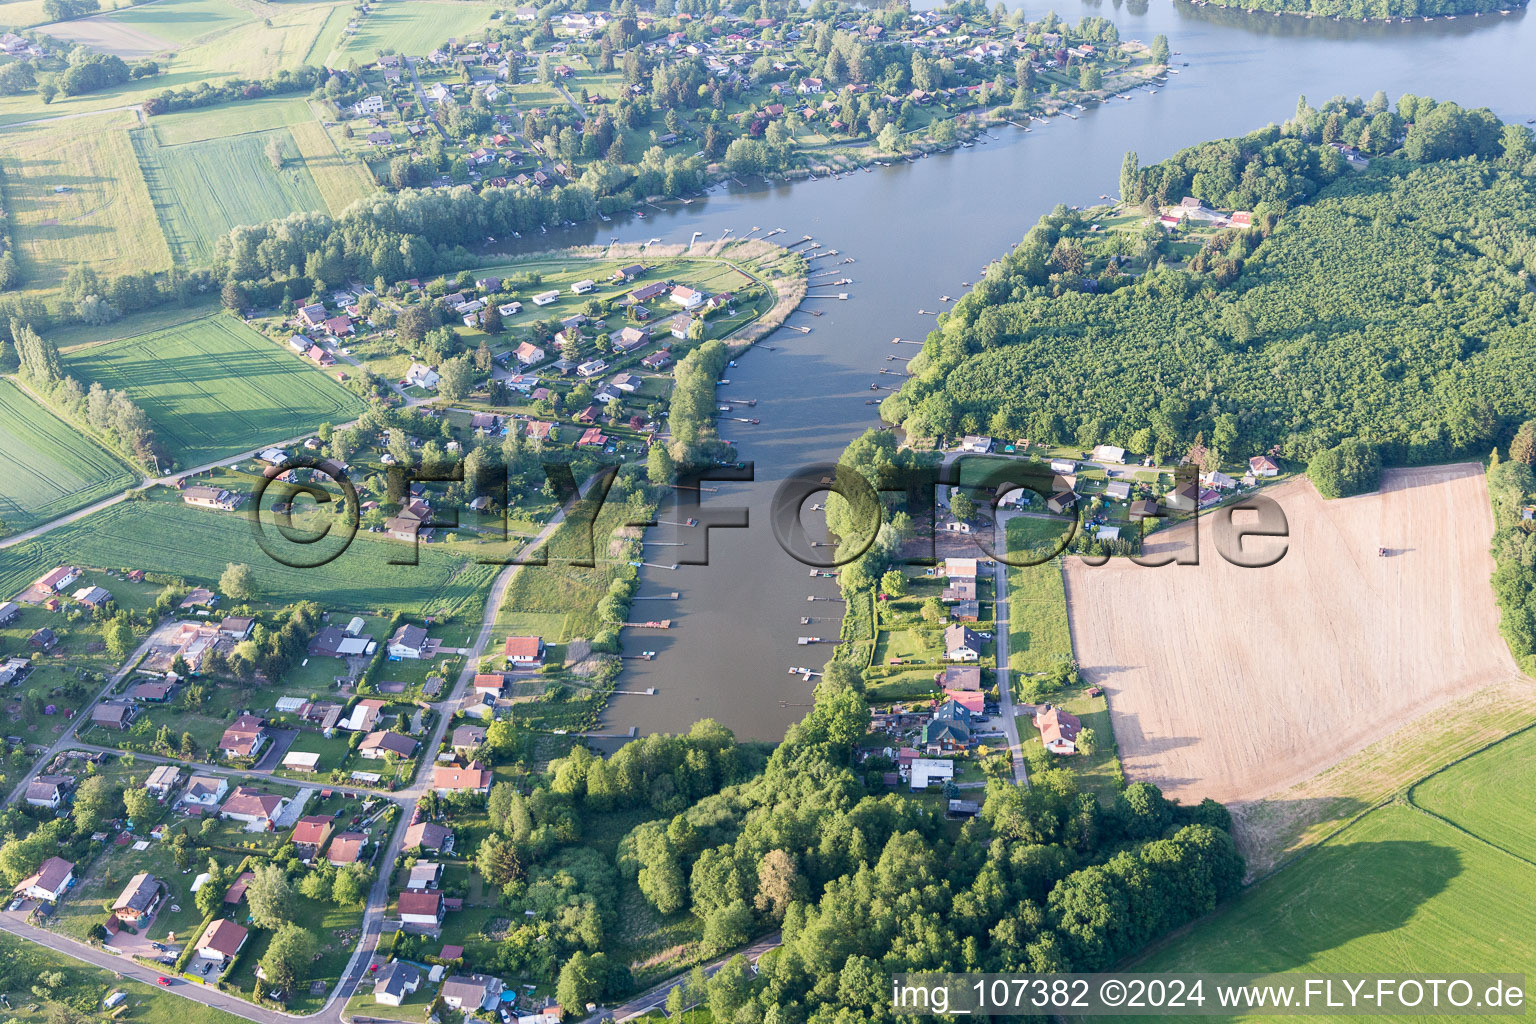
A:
[281,739]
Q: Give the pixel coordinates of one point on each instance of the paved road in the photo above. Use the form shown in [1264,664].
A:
[1004,691]
[67,737]
[656,996]
[421,97]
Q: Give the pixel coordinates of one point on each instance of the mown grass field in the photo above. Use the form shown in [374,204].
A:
[196,544]
[1489,794]
[181,21]
[184,126]
[339,180]
[415,28]
[103,218]
[1399,890]
[202,189]
[50,467]
[214,387]
[1039,637]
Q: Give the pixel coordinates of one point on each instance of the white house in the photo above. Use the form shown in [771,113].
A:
[422,376]
[440,92]
[1108,453]
[688,298]
[582,287]
[591,368]
[205,790]
[1063,466]
[369,105]
[1263,465]
[394,982]
[54,876]
[408,643]
[926,771]
[961,644]
[547,298]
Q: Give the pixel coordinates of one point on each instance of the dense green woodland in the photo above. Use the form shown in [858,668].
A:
[1389,304]
[864,884]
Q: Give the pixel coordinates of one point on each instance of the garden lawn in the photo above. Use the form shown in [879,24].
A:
[202,189]
[1039,637]
[203,123]
[51,468]
[75,196]
[196,544]
[415,29]
[1398,891]
[1486,796]
[214,387]
[340,181]
[335,930]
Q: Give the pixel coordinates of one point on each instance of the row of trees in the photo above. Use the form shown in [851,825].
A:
[109,413]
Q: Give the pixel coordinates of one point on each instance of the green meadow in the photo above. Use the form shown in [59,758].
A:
[202,189]
[196,544]
[51,468]
[215,388]
[1400,890]
[415,28]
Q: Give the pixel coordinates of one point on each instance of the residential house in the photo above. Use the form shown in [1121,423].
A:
[47,791]
[409,642]
[688,298]
[591,368]
[365,714]
[949,730]
[1216,480]
[959,590]
[205,790]
[163,780]
[346,848]
[138,898]
[448,779]
[647,292]
[9,611]
[1058,730]
[1108,453]
[422,376]
[245,737]
[369,105]
[53,878]
[528,354]
[394,982]
[113,714]
[1184,497]
[221,941]
[421,910]
[1143,509]
[310,834]
[658,360]
[1061,501]
[469,992]
[428,835]
[44,639]
[961,644]
[960,677]
[960,569]
[1063,466]
[468,738]
[378,745]
[630,338]
[58,581]
[253,807]
[1263,465]
[1118,490]
[524,650]
[236,628]
[629,273]
[975,444]
[680,326]
[584,286]
[211,497]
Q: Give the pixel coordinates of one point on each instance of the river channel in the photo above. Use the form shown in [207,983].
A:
[918,231]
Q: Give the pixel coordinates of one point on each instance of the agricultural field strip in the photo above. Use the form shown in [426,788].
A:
[55,469]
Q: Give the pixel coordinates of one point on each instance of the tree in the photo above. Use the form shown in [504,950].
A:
[581,981]
[141,805]
[1523,447]
[1353,467]
[497,860]
[778,883]
[1160,53]
[932,610]
[659,467]
[1129,168]
[96,801]
[275,153]
[351,886]
[727,927]
[238,582]
[269,895]
[456,377]
[117,634]
[962,506]
[289,953]
[1086,741]
[894,583]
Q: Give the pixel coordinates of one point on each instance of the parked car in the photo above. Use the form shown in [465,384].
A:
[163,981]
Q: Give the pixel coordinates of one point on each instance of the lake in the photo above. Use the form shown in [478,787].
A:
[918,231]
